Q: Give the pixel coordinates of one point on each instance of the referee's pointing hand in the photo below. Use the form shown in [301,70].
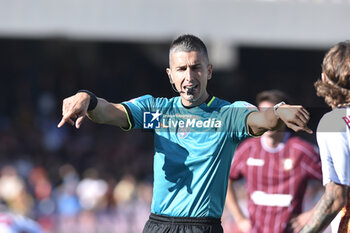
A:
[74,109]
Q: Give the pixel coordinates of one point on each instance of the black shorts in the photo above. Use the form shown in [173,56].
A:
[164,224]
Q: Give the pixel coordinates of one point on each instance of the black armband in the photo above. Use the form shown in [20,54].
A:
[93,99]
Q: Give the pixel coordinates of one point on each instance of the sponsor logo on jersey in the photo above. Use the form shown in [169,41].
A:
[288,164]
[347,120]
[271,199]
[183,132]
[151,120]
[255,162]
[155,120]
[191,123]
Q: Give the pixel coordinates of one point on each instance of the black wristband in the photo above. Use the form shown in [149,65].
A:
[93,99]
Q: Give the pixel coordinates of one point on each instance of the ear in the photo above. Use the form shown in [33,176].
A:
[210,71]
[168,71]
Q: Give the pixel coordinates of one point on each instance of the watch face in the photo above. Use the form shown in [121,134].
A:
[276,107]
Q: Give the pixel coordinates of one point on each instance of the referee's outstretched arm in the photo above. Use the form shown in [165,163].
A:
[295,117]
[82,104]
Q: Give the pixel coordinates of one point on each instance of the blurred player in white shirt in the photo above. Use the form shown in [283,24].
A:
[333,140]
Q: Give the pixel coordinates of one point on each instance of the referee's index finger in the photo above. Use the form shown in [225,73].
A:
[66,118]
[62,122]
[303,128]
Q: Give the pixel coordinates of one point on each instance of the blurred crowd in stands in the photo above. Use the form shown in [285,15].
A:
[77,204]
[97,178]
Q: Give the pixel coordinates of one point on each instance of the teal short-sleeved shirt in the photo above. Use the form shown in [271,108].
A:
[193,151]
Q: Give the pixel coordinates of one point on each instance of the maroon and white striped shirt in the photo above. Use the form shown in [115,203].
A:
[276,180]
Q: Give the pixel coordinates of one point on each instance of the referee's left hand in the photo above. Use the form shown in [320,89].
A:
[295,117]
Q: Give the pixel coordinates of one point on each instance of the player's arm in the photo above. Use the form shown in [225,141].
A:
[75,108]
[299,221]
[332,201]
[231,201]
[294,116]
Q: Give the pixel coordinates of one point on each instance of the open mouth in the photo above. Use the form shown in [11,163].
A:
[189,90]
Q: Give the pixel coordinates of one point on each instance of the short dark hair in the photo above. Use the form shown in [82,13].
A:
[273,96]
[188,43]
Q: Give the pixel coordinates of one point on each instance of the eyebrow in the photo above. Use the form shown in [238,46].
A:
[192,66]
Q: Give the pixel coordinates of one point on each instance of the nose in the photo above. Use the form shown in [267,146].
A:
[189,75]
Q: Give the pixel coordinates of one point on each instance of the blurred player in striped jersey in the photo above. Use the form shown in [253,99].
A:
[333,140]
[276,168]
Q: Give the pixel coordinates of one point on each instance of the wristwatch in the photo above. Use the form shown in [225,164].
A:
[276,107]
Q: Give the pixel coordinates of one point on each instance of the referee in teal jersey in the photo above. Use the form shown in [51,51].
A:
[195,136]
